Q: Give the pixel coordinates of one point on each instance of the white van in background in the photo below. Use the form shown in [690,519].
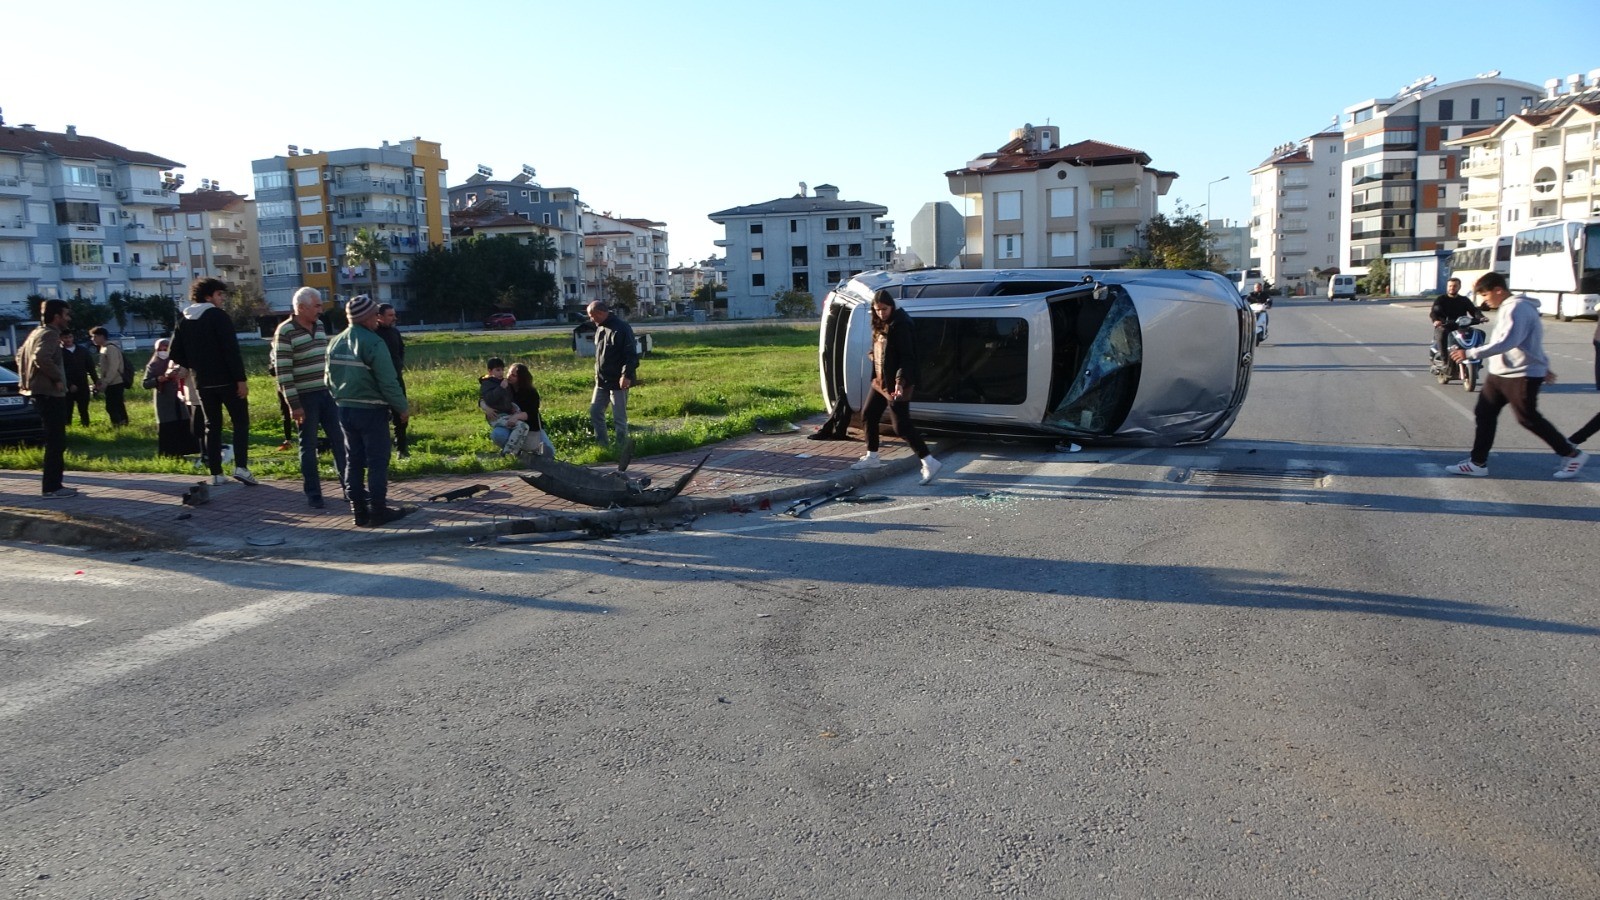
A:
[1342,286]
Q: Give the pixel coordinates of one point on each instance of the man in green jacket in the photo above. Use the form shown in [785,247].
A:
[361,376]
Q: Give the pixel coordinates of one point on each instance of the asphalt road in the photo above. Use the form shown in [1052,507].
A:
[1296,662]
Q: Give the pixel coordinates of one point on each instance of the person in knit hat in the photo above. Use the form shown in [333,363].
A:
[360,374]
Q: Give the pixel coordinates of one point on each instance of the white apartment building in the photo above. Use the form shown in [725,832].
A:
[803,243]
[78,217]
[635,249]
[1230,245]
[685,280]
[1296,198]
[214,235]
[1037,204]
[1403,184]
[1541,163]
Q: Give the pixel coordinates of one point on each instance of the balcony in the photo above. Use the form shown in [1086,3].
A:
[1577,151]
[1480,229]
[1481,199]
[346,186]
[14,227]
[228,260]
[1107,176]
[1294,204]
[399,218]
[1115,215]
[227,234]
[1105,256]
[82,232]
[12,186]
[147,197]
[139,232]
[18,271]
[1480,165]
[84,272]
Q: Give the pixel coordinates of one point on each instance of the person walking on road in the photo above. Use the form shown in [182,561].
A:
[361,376]
[894,379]
[44,379]
[387,318]
[616,366]
[79,362]
[1517,368]
[206,344]
[300,357]
[110,381]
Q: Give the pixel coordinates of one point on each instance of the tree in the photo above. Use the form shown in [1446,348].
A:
[794,304]
[479,275]
[1179,242]
[621,292]
[1378,276]
[705,296]
[244,304]
[367,249]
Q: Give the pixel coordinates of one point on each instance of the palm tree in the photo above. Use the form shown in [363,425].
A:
[367,249]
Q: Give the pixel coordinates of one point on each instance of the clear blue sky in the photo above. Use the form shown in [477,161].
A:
[671,110]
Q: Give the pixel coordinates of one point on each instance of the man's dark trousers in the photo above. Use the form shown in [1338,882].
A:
[116,409]
[366,448]
[1522,395]
[55,412]
[213,400]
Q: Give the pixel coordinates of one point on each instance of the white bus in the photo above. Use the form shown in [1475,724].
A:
[1558,264]
[1469,263]
[1244,279]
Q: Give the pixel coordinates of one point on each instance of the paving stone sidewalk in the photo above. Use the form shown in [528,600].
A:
[740,474]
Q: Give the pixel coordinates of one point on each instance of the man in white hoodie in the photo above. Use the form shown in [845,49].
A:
[1517,368]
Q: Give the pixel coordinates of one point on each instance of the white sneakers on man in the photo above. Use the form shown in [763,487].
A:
[1572,465]
[930,468]
[869,460]
[243,474]
[1467,467]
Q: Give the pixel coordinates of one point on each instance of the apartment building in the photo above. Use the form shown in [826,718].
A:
[808,242]
[214,234]
[310,203]
[79,217]
[557,210]
[634,249]
[1403,185]
[938,236]
[685,280]
[1296,199]
[1034,203]
[1230,245]
[1543,162]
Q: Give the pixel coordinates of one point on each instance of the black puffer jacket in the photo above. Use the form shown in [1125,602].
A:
[205,344]
[899,352]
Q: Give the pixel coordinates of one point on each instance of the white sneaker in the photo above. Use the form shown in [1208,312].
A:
[244,476]
[868,461]
[1571,466]
[219,479]
[930,468]
[1468,467]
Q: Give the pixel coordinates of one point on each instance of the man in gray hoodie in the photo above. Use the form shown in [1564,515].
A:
[1517,367]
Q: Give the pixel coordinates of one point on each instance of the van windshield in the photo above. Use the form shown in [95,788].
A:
[1099,352]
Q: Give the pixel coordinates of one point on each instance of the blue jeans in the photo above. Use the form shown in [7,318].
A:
[366,447]
[320,412]
[617,398]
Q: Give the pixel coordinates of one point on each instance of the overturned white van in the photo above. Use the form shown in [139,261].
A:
[1154,357]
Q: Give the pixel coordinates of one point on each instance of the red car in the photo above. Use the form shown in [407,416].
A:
[501,320]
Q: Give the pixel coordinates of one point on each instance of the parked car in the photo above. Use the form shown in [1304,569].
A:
[19,418]
[501,320]
[1152,357]
[1342,286]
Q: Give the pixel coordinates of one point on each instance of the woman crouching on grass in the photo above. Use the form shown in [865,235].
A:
[894,377]
[519,381]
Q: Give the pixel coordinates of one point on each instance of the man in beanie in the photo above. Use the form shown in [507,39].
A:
[361,376]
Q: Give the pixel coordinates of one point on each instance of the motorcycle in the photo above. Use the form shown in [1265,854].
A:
[1260,309]
[1442,367]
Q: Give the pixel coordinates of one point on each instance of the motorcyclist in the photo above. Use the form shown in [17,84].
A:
[1450,306]
[1258,294]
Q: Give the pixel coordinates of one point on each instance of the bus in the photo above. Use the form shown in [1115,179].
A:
[1244,279]
[1469,263]
[1558,264]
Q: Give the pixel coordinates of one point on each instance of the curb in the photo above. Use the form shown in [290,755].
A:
[79,530]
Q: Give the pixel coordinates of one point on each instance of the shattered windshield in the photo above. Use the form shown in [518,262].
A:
[1099,347]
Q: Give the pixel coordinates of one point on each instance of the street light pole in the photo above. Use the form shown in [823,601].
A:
[1208,194]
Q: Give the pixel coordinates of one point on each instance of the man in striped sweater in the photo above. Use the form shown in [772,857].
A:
[362,378]
[300,357]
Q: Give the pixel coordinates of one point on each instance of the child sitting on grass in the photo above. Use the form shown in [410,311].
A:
[494,399]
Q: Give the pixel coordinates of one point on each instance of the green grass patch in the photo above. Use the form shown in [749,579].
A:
[697,387]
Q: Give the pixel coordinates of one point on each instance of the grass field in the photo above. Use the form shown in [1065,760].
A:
[697,387]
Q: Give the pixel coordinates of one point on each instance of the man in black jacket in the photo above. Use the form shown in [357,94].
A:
[1450,306]
[397,352]
[616,365]
[205,344]
[79,362]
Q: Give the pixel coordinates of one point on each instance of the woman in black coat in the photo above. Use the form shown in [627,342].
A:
[519,381]
[894,379]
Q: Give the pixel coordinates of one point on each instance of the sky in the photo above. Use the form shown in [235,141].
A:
[672,110]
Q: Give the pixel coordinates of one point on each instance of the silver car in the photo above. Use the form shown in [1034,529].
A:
[1127,356]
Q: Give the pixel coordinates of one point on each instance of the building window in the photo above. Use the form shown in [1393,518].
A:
[1108,198]
[757,254]
[831,251]
[855,250]
[1447,110]
[81,253]
[831,225]
[1063,202]
[316,267]
[1008,246]
[755,227]
[1474,113]
[794,226]
[1108,237]
[311,207]
[758,281]
[798,256]
[834,276]
[79,175]
[1499,107]
[1063,244]
[547,218]
[107,180]
[1007,205]
[266,181]
[192,220]
[305,177]
[311,236]
[853,223]
[802,281]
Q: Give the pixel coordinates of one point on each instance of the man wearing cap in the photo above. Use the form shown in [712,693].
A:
[300,359]
[360,374]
